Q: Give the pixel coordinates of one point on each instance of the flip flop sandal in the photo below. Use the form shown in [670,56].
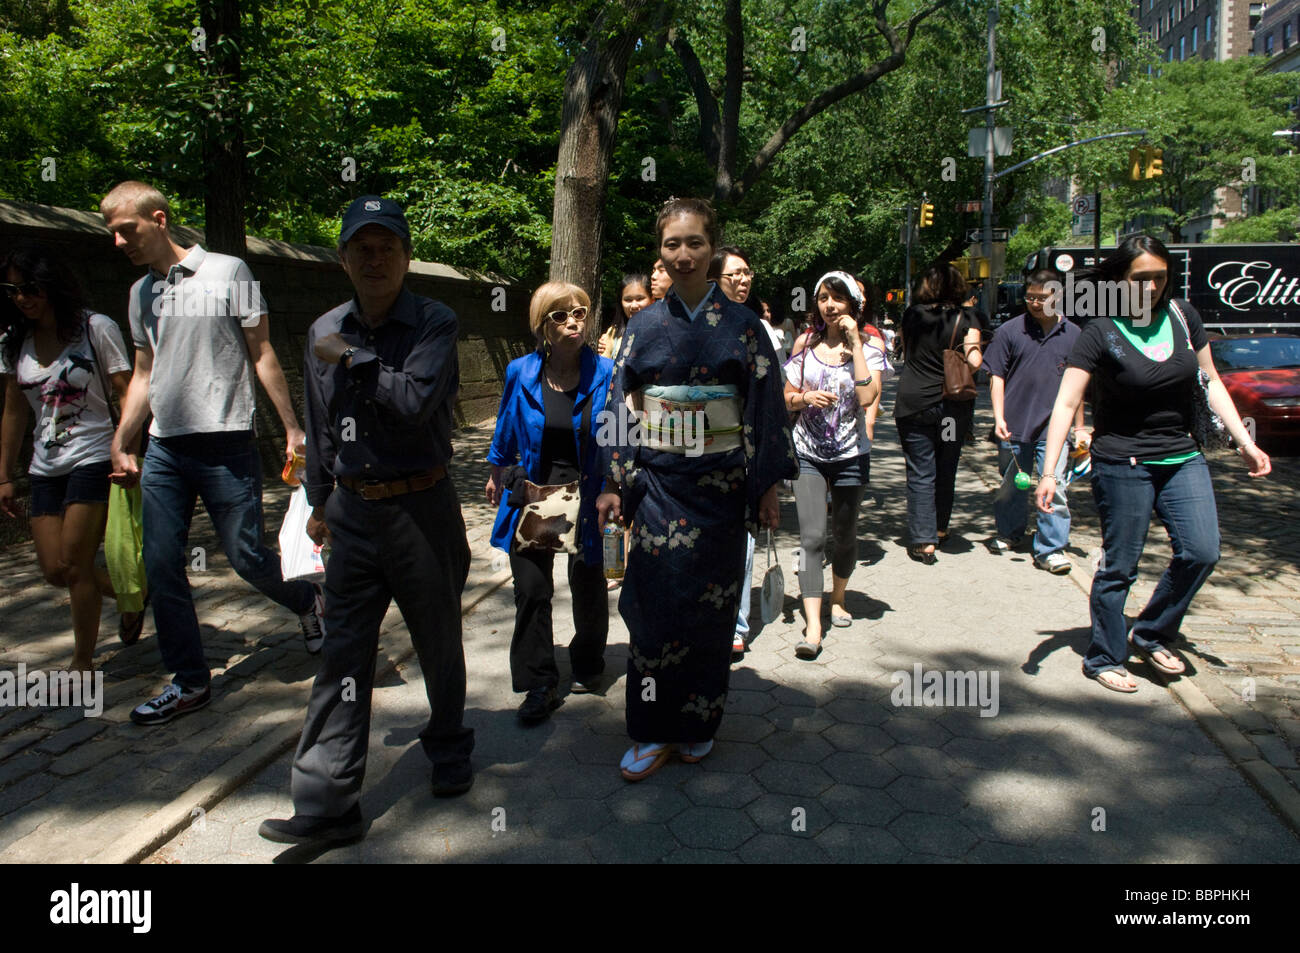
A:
[841,621]
[1150,658]
[130,634]
[652,760]
[694,753]
[1104,683]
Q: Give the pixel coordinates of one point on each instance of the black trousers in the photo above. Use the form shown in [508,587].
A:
[411,548]
[532,649]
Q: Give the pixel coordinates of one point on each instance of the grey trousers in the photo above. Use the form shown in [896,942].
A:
[411,548]
[810,503]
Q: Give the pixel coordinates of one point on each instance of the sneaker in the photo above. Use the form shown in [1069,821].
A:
[1003,544]
[738,648]
[312,622]
[1057,563]
[538,705]
[305,829]
[172,703]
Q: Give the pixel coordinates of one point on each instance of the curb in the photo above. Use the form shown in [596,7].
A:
[155,831]
[1264,777]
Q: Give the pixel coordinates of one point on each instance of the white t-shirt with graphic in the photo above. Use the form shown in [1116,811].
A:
[73,425]
[837,432]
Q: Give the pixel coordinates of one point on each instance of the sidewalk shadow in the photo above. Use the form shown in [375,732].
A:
[1076,639]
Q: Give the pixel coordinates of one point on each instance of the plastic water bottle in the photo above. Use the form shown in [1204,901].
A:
[612,543]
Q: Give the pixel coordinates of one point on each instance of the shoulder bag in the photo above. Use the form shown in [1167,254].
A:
[958,378]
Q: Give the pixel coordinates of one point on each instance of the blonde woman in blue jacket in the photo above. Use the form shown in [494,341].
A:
[549,416]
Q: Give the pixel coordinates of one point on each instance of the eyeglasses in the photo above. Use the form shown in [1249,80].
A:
[737,275]
[28,289]
[1038,299]
[578,314]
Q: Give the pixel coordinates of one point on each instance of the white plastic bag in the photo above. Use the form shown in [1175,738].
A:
[299,556]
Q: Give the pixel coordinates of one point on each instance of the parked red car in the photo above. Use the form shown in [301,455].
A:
[1262,373]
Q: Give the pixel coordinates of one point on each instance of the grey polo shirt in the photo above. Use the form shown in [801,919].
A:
[192,320]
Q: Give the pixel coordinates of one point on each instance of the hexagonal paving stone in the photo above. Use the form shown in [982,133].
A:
[799,718]
[912,730]
[736,756]
[569,819]
[632,844]
[927,795]
[921,762]
[588,780]
[745,702]
[639,804]
[864,770]
[785,777]
[721,789]
[851,844]
[858,712]
[864,738]
[776,814]
[990,852]
[849,684]
[802,746]
[692,855]
[715,828]
[976,752]
[928,834]
[749,728]
[804,693]
[861,805]
[597,749]
[782,849]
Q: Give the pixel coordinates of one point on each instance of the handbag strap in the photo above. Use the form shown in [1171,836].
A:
[956,326]
[103,375]
[771,548]
[1178,313]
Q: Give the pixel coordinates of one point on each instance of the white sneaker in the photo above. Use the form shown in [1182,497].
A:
[1057,563]
[312,622]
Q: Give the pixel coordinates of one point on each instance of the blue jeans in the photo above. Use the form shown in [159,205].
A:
[746,584]
[225,471]
[931,442]
[1183,498]
[1010,511]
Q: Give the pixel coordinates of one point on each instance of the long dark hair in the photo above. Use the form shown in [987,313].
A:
[942,284]
[619,317]
[37,263]
[841,290]
[1115,265]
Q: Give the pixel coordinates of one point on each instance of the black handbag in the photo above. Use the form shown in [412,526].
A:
[1207,427]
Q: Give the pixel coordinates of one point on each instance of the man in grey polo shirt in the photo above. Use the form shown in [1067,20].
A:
[200,328]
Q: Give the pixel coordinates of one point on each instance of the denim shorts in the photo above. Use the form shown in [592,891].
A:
[88,483]
[850,472]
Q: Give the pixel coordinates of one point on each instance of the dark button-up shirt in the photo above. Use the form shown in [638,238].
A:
[389,415]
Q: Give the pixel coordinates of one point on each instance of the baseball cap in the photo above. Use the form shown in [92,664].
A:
[374,210]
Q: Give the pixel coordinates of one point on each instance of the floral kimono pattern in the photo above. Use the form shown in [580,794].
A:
[690,514]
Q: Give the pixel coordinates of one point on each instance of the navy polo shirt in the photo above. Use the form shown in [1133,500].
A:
[1031,363]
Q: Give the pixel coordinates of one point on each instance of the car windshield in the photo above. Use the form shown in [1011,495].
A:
[1233,354]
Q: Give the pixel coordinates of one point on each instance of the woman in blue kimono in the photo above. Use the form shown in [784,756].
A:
[695,447]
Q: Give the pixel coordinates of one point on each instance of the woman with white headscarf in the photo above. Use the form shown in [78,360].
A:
[829,384]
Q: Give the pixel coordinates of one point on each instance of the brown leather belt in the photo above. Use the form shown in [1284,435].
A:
[374,490]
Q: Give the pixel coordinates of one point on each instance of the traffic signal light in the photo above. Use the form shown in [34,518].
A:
[927,214]
[1155,162]
[1135,163]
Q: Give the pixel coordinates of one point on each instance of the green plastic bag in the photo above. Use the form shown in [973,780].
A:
[123,548]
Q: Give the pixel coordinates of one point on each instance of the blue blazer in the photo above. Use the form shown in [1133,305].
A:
[521,419]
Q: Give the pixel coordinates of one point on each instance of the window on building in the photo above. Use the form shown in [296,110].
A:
[1182,47]
[1286,35]
[1195,45]
[1268,45]
[1256,11]
[1209,28]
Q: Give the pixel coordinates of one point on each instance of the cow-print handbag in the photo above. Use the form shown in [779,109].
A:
[548,521]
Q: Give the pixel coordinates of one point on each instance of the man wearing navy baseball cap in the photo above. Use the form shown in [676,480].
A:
[381,380]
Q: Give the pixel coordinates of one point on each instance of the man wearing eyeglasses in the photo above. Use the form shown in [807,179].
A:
[381,378]
[1026,361]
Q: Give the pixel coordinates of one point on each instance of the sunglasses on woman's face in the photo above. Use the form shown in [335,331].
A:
[579,314]
[28,289]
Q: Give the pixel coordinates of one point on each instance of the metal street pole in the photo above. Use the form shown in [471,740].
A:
[907,266]
[990,97]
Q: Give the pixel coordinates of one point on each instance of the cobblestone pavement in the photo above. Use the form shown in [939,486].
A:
[70,786]
[815,761]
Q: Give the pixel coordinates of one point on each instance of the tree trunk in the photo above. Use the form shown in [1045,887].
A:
[223,140]
[593,96]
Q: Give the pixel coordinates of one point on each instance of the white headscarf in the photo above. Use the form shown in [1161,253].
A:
[849,283]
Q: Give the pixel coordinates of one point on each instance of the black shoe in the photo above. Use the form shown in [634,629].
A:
[172,703]
[591,685]
[538,705]
[921,556]
[451,779]
[305,829]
